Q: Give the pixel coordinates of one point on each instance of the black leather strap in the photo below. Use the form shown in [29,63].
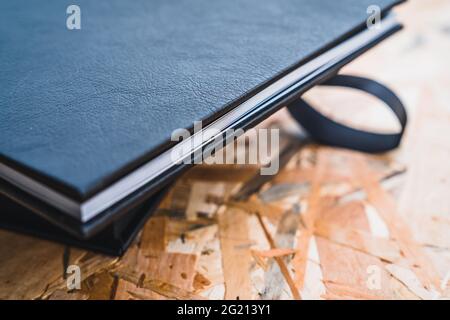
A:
[330,132]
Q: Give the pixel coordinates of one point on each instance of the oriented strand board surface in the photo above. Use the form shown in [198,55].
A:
[332,224]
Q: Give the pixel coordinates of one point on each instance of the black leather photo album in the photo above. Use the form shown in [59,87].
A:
[90,95]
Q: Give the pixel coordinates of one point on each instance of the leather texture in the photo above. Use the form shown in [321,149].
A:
[81,108]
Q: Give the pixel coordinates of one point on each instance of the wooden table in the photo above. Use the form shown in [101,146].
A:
[333,224]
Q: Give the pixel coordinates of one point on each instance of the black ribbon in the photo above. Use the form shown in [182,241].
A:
[327,131]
